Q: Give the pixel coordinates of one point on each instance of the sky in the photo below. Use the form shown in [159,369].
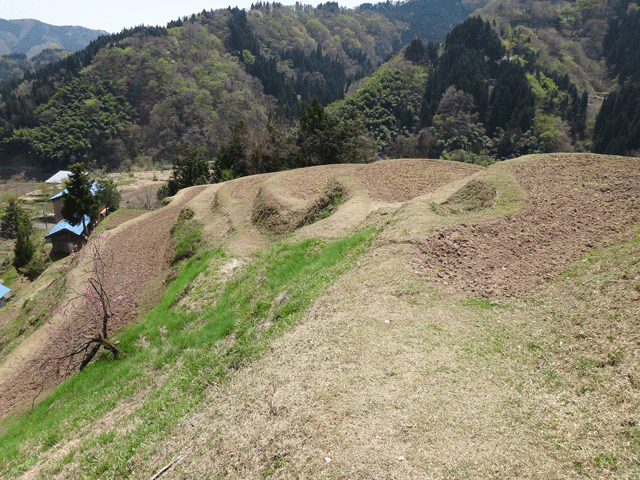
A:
[114,15]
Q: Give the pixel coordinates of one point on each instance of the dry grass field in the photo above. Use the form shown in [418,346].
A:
[491,329]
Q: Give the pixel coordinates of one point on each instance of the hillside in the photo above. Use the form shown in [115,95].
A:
[30,37]
[538,75]
[28,45]
[143,95]
[402,319]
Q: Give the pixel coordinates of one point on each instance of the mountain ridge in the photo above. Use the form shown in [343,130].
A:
[30,37]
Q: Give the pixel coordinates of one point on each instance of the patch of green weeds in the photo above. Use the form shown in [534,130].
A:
[583,366]
[124,183]
[326,206]
[277,463]
[484,303]
[606,460]
[184,348]
[34,313]
[614,358]
[439,209]
[187,235]
[10,277]
[52,437]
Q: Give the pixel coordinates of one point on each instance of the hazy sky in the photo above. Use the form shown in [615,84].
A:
[114,15]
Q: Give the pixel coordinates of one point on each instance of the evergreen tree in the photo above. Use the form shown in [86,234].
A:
[618,123]
[79,200]
[511,105]
[314,132]
[10,218]
[189,169]
[416,51]
[230,159]
[476,34]
[24,248]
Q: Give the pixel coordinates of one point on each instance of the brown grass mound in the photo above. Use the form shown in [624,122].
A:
[576,203]
[402,180]
[121,216]
[275,216]
[247,188]
[474,196]
[308,182]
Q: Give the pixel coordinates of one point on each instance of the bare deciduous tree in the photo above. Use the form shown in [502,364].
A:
[96,301]
[148,197]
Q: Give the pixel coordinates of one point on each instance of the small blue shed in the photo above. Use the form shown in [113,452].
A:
[3,291]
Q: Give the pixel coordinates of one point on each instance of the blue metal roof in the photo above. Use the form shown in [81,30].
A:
[94,190]
[4,290]
[64,225]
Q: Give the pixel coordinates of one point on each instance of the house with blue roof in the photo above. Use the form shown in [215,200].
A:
[67,238]
[64,237]
[3,291]
[58,198]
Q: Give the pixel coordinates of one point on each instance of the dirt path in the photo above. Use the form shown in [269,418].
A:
[141,245]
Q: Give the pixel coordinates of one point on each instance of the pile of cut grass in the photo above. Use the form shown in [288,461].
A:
[474,196]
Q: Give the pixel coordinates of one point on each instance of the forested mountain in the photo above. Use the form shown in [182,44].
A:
[28,45]
[473,101]
[617,127]
[13,66]
[512,81]
[30,37]
[156,91]
[562,36]
[596,44]
[429,20]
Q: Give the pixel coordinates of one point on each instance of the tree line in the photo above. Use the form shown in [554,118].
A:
[617,127]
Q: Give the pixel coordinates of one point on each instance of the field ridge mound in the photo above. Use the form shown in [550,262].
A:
[576,203]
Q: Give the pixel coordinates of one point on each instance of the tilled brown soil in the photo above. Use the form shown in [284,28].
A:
[310,182]
[402,180]
[139,255]
[247,188]
[576,204]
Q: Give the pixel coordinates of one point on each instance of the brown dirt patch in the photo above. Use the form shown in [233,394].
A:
[576,203]
[309,182]
[247,188]
[402,180]
[121,216]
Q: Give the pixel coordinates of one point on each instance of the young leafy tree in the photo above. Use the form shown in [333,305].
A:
[79,201]
[456,123]
[107,194]
[325,138]
[354,144]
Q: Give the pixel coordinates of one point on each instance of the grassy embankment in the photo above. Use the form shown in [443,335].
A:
[176,354]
